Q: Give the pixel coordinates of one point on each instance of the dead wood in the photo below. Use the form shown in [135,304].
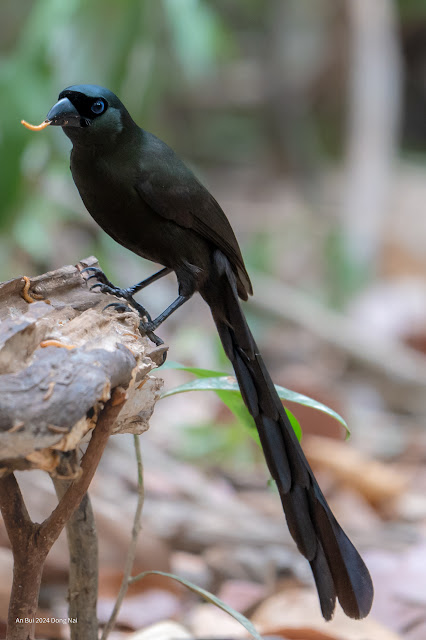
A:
[59,359]
[83,573]
[68,370]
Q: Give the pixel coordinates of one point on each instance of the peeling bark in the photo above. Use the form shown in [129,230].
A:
[60,357]
[69,372]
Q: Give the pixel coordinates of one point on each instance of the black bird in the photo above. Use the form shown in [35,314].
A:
[141,193]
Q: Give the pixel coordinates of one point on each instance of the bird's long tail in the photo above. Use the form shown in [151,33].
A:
[336,565]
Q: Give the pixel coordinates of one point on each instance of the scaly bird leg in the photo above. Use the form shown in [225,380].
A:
[143,326]
[148,328]
[104,285]
[151,325]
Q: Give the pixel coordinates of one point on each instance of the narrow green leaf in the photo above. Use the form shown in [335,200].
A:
[235,403]
[229,384]
[200,373]
[294,423]
[209,597]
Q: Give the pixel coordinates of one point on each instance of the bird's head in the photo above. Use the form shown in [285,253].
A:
[89,113]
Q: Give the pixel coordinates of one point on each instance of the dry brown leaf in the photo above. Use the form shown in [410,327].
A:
[400,584]
[242,594]
[192,567]
[377,482]
[207,621]
[146,608]
[162,631]
[297,611]
[301,634]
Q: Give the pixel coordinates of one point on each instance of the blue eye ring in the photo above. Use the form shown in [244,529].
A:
[98,107]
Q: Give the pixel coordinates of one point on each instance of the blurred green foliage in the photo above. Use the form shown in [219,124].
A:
[144,51]
[227,389]
[228,84]
[412,9]
[219,81]
[213,444]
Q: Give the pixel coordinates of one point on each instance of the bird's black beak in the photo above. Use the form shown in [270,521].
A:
[64,114]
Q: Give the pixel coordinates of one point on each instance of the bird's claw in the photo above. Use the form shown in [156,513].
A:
[98,274]
[106,286]
[103,283]
[91,277]
[103,288]
[94,269]
[145,328]
[118,306]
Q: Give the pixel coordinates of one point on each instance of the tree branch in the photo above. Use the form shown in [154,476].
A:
[67,370]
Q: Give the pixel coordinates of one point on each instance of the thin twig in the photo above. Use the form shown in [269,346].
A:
[83,574]
[53,525]
[30,541]
[18,523]
[27,560]
[133,542]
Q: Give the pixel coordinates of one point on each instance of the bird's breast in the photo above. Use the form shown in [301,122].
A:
[108,193]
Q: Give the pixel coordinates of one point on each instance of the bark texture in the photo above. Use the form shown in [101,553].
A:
[60,357]
[70,372]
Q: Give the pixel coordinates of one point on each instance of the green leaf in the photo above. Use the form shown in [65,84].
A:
[209,597]
[201,373]
[235,403]
[229,385]
[294,423]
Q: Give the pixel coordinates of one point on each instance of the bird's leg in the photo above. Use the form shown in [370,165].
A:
[106,286]
[144,283]
[148,328]
[144,327]
[151,325]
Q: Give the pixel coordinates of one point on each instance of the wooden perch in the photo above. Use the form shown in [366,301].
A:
[60,357]
[68,370]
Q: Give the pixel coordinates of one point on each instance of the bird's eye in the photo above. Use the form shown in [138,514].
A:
[98,107]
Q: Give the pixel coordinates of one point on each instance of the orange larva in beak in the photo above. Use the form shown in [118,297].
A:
[35,127]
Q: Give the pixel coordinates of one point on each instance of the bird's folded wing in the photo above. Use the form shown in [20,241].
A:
[188,203]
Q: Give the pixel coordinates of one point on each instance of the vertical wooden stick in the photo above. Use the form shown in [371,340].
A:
[83,574]
[31,542]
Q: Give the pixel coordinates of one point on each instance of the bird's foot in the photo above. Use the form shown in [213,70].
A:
[144,327]
[148,328]
[99,275]
[106,286]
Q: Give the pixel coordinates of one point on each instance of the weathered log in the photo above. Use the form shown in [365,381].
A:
[60,358]
[66,367]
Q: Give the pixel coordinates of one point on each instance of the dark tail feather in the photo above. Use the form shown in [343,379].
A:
[336,565]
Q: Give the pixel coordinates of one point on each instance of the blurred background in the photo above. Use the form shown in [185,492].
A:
[307,121]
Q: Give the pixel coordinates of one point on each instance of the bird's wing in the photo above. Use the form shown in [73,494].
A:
[173,191]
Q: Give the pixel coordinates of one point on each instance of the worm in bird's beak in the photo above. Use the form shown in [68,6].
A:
[35,127]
